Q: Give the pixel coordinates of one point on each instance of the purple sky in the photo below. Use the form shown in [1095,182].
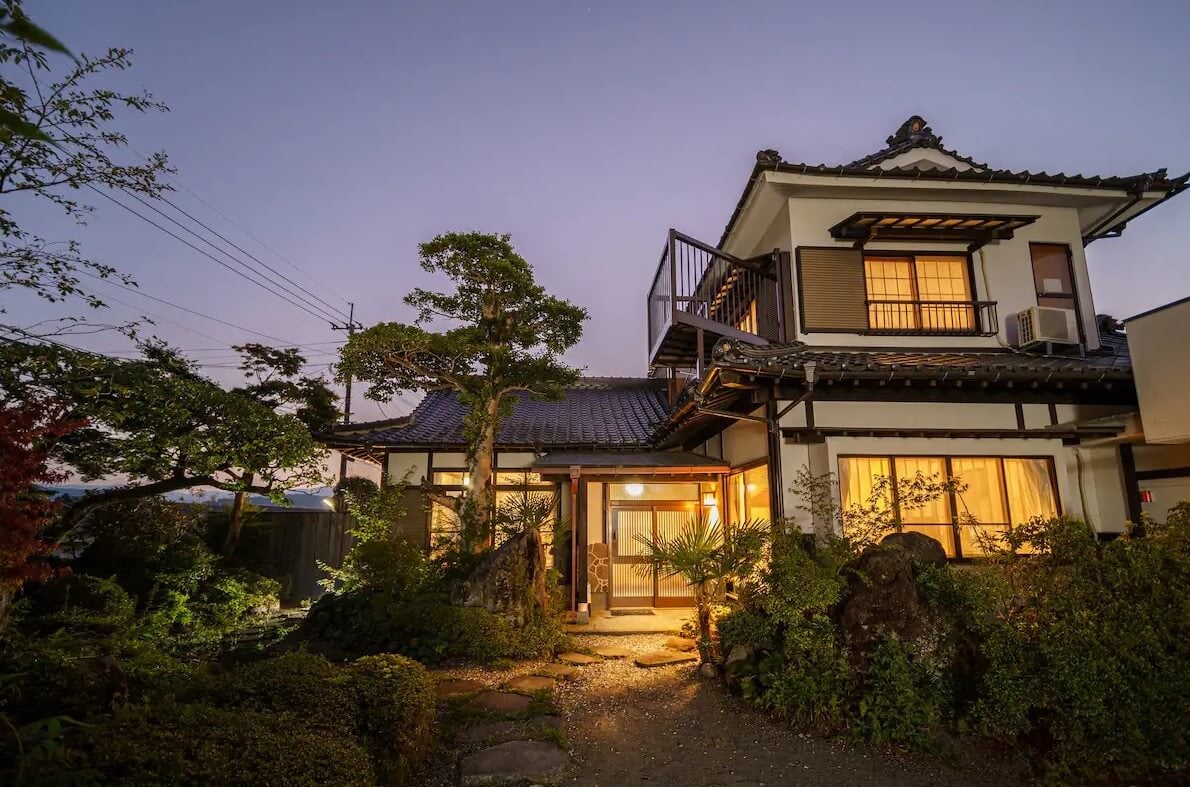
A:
[343,134]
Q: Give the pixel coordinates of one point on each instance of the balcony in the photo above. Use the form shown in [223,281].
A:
[932,318]
[701,294]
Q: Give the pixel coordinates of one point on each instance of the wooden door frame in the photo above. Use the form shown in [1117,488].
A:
[691,507]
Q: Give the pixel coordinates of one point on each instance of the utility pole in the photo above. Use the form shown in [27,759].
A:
[351,327]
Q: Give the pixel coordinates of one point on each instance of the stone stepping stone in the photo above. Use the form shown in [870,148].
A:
[683,644]
[528,761]
[612,652]
[449,689]
[485,732]
[528,684]
[500,702]
[578,659]
[559,671]
[663,658]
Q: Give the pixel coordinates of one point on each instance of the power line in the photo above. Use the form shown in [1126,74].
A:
[175,236]
[247,232]
[248,254]
[168,320]
[299,293]
[182,308]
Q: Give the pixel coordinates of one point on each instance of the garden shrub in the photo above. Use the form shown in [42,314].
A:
[304,684]
[76,602]
[396,712]
[1094,664]
[900,701]
[196,745]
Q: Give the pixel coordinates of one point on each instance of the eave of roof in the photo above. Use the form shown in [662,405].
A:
[903,141]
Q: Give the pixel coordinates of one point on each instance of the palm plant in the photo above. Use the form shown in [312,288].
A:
[706,554]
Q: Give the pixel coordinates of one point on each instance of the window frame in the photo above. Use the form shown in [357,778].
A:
[1075,302]
[912,255]
[1051,470]
[455,490]
[729,492]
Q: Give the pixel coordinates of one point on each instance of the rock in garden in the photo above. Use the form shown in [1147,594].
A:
[709,670]
[611,652]
[663,658]
[578,659]
[500,702]
[920,547]
[550,722]
[509,581]
[559,671]
[486,732]
[683,644]
[881,599]
[514,761]
[528,684]
[449,689]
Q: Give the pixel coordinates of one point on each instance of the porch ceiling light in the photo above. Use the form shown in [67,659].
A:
[635,490]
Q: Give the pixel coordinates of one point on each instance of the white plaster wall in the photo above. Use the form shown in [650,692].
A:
[1161,457]
[1161,368]
[911,415]
[1098,488]
[515,459]
[745,441]
[1037,416]
[1167,493]
[1008,266]
[415,463]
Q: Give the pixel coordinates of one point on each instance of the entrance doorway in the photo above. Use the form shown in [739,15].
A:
[631,584]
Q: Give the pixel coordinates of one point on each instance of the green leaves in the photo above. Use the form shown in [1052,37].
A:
[14,23]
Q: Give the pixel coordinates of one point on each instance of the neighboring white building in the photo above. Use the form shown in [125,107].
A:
[914,310]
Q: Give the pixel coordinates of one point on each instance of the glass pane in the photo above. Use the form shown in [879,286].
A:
[890,279]
[756,493]
[984,496]
[933,512]
[858,478]
[654,491]
[945,279]
[1030,490]
[449,478]
[444,527]
[735,497]
[1051,270]
[974,538]
[517,478]
[943,534]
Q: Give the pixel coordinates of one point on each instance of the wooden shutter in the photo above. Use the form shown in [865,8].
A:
[831,289]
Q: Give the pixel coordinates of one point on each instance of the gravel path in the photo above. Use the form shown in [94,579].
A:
[668,726]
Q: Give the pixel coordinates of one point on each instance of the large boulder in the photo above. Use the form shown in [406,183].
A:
[881,599]
[509,581]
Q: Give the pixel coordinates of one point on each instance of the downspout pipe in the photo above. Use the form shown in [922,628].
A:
[575,473]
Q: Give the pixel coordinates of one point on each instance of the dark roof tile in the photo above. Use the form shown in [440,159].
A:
[605,411]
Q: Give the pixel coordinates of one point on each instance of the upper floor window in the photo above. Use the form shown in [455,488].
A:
[1053,275]
[927,293]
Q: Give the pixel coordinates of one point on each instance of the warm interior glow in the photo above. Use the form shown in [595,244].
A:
[634,489]
[709,500]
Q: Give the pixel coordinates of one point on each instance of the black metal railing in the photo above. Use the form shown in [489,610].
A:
[702,282]
[933,318]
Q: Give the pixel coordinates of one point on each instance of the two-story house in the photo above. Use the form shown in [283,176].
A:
[912,311]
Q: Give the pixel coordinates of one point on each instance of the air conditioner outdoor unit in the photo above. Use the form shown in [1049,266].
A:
[1045,324]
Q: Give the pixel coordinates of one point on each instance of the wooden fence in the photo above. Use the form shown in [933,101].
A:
[292,543]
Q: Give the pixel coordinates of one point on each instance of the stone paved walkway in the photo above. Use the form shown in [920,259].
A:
[612,723]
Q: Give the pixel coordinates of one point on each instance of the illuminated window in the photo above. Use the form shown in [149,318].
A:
[748,494]
[928,293]
[997,494]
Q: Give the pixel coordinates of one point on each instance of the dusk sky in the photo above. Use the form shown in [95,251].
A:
[342,134]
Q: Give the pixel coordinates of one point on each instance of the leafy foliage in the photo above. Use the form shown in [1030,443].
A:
[161,424]
[396,712]
[56,138]
[25,436]
[706,554]
[503,335]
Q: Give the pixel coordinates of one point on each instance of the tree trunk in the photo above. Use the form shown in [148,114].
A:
[702,602]
[6,595]
[482,464]
[235,525]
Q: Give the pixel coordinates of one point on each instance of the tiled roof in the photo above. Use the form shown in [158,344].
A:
[597,411]
[915,133]
[1110,362]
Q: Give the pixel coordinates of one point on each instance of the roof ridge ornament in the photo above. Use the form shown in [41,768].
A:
[914,130]
[768,156]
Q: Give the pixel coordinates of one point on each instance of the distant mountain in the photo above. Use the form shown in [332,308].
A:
[299,499]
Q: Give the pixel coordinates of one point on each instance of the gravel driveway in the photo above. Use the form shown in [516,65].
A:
[667,726]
